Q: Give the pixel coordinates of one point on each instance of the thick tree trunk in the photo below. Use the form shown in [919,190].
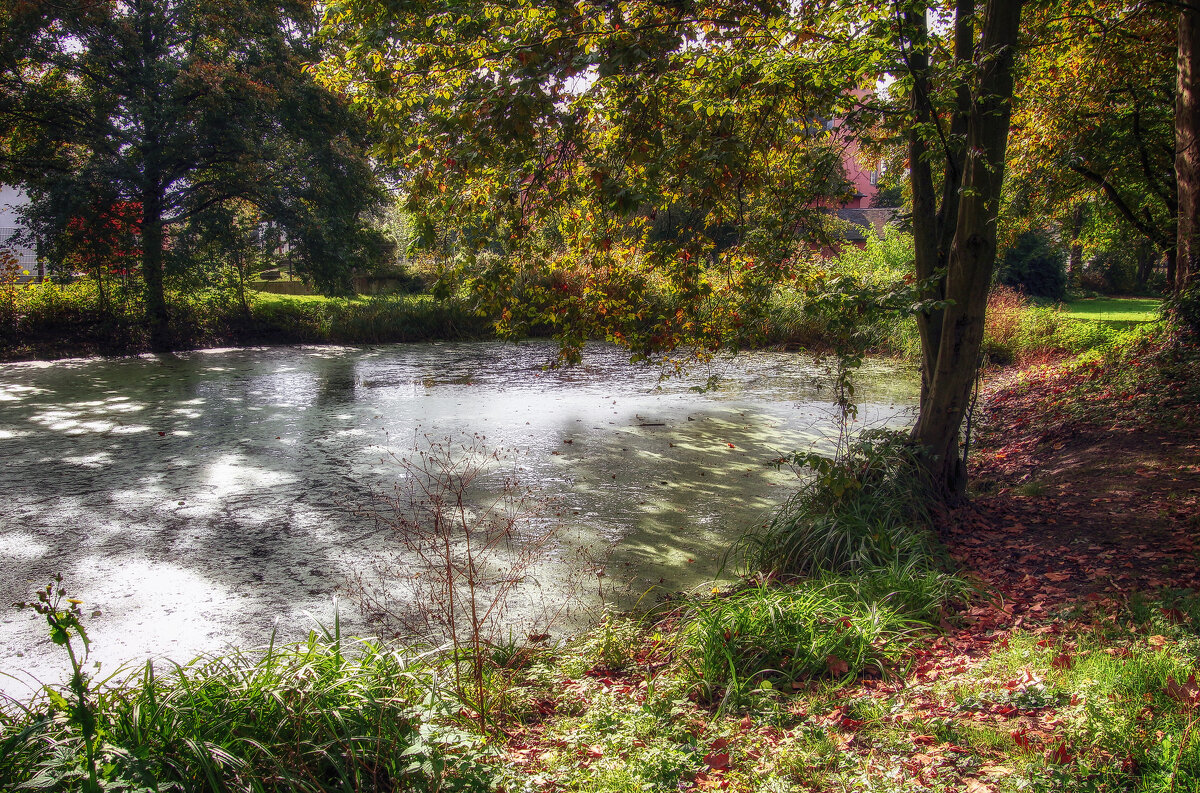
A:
[973,253]
[924,200]
[1075,263]
[933,224]
[152,269]
[1187,146]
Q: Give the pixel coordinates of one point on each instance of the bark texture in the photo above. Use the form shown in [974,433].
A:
[1187,147]
[973,251]
[933,221]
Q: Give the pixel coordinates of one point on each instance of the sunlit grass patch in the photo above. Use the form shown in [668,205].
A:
[1088,707]
[1114,309]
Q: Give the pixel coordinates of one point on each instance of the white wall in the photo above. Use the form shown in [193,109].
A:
[11,198]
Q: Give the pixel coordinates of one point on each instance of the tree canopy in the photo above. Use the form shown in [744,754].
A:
[165,106]
[501,115]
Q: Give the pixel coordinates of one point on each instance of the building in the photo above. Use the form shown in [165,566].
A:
[11,200]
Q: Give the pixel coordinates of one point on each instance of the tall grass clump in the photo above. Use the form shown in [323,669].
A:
[307,717]
[846,573]
[731,645]
[868,509]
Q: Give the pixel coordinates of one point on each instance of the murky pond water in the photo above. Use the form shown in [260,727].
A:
[203,499]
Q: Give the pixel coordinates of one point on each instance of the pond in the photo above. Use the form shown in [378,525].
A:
[204,499]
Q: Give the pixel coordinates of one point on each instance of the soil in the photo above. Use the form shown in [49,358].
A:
[1066,510]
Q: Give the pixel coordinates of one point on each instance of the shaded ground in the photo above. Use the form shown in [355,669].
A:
[1076,508]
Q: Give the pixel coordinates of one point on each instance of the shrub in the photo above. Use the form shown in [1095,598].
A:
[867,510]
[1035,266]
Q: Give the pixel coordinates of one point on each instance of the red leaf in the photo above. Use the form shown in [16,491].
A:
[1021,739]
[717,761]
[837,667]
[1060,756]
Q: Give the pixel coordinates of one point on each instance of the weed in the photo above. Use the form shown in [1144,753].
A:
[316,716]
[466,551]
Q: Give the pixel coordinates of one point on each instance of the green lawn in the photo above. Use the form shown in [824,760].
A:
[1117,309]
[270,298]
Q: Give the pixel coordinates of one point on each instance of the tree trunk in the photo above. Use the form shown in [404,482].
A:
[973,252]
[933,225]
[152,267]
[1187,147]
[1075,263]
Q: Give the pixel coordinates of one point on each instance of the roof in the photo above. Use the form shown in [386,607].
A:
[859,222]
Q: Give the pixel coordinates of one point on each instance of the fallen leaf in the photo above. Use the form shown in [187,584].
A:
[1060,756]
[837,667]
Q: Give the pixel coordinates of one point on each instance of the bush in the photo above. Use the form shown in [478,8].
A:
[865,511]
[1035,266]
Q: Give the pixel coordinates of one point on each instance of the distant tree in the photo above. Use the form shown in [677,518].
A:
[1109,113]
[1035,265]
[179,106]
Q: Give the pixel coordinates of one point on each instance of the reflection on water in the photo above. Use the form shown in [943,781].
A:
[200,499]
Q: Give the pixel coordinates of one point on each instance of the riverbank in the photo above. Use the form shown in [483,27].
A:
[1073,664]
[49,322]
[65,322]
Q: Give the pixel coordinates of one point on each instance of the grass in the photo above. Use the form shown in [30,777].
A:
[1113,309]
[297,718]
[864,511]
[768,636]
[1097,705]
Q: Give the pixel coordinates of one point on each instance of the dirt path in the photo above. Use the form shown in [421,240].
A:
[1071,509]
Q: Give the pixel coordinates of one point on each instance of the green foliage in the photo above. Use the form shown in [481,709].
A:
[620,745]
[310,717]
[141,122]
[1035,265]
[767,636]
[55,319]
[1119,701]
[629,178]
[886,260]
[373,320]
[867,510]
[1015,328]
[1095,126]
[1146,376]
[1183,308]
